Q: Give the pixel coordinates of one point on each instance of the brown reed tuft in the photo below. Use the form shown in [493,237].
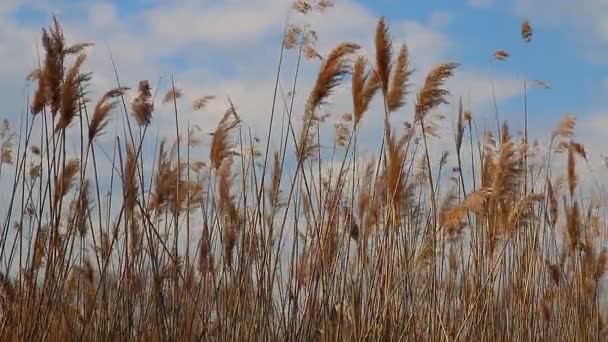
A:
[202,102]
[384,52]
[70,93]
[432,93]
[6,151]
[507,172]
[323,5]
[394,173]
[526,31]
[81,211]
[205,258]
[501,55]
[103,108]
[565,129]
[572,177]
[552,199]
[302,6]
[573,226]
[221,144]
[172,95]
[167,181]
[51,76]
[364,87]
[398,88]
[228,209]
[142,105]
[333,70]
[129,180]
[274,189]
[459,127]
[66,180]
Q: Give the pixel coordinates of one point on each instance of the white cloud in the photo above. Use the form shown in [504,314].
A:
[477,86]
[595,127]
[221,23]
[103,15]
[245,36]
[427,46]
[8,6]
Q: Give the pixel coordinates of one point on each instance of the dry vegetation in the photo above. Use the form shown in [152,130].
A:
[502,245]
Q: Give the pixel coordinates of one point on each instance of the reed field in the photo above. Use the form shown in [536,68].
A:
[303,233]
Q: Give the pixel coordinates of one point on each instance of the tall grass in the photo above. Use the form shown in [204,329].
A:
[263,241]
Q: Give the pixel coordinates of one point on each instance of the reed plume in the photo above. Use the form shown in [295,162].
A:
[432,93]
[333,70]
[142,106]
[71,92]
[172,95]
[501,55]
[51,76]
[66,180]
[202,102]
[364,87]
[129,180]
[398,88]
[205,260]
[82,207]
[221,144]
[384,52]
[526,31]
[104,106]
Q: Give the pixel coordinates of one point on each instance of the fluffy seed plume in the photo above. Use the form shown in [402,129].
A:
[274,189]
[142,106]
[565,129]
[302,6]
[103,107]
[66,180]
[459,127]
[572,177]
[526,31]
[332,72]
[70,92]
[573,225]
[433,94]
[205,261]
[398,88]
[6,152]
[51,75]
[202,102]
[82,208]
[501,55]
[172,95]
[364,87]
[130,181]
[323,5]
[384,51]
[221,144]
[77,48]
[552,201]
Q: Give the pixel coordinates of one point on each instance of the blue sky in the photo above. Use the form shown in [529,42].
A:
[230,48]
